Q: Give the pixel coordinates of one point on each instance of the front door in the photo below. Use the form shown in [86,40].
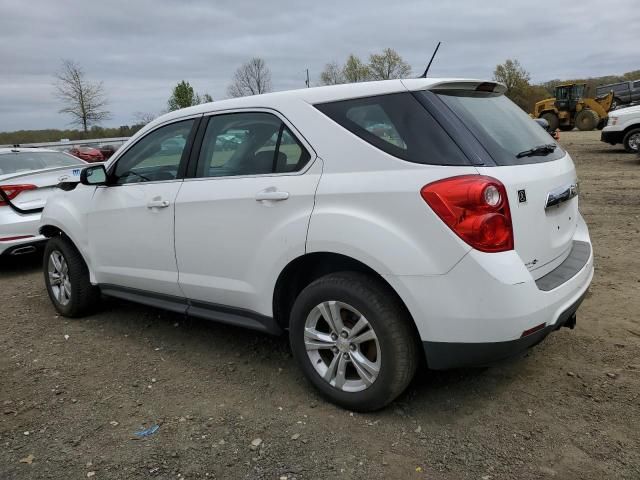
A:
[245,215]
[131,238]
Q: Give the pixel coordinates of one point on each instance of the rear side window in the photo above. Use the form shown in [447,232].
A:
[398,125]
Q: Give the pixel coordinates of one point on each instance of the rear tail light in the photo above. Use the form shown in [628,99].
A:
[12,191]
[476,208]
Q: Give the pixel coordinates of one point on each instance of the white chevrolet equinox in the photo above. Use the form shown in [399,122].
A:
[375,222]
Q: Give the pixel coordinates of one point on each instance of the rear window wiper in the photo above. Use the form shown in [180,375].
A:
[539,150]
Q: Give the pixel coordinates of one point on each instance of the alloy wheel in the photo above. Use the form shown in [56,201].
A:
[342,346]
[59,278]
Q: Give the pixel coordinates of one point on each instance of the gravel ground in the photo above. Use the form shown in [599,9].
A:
[230,403]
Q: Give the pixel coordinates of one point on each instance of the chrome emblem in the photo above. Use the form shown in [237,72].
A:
[561,194]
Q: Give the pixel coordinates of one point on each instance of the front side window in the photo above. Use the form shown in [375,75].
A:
[249,144]
[155,157]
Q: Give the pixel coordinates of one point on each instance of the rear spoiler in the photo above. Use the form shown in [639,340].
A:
[455,84]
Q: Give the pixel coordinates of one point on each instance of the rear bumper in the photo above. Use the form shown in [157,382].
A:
[612,136]
[13,224]
[484,308]
[445,355]
[23,246]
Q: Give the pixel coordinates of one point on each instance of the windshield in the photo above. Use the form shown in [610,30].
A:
[17,162]
[502,128]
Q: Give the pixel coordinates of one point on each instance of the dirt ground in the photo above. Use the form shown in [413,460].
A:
[73,392]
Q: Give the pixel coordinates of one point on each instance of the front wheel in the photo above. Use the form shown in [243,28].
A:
[353,340]
[67,279]
[631,141]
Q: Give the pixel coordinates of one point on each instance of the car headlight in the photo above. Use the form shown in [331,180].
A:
[612,121]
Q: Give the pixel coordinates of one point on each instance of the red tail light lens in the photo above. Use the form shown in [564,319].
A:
[476,208]
[12,191]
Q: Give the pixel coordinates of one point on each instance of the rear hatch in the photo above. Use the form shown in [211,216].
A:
[538,175]
[44,182]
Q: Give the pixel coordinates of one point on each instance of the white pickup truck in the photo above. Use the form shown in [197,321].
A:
[623,127]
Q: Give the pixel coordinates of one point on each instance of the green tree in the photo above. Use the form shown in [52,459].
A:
[516,79]
[183,96]
[387,65]
[355,71]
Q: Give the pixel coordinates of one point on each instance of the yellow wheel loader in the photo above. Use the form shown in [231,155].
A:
[571,109]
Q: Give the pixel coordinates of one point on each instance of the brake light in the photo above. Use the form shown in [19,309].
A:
[12,191]
[476,208]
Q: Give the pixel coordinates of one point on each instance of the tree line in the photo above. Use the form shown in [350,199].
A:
[85,102]
[525,94]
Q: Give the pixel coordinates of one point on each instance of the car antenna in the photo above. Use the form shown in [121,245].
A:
[424,75]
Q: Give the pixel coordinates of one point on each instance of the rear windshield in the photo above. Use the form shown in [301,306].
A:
[398,125]
[502,128]
[16,162]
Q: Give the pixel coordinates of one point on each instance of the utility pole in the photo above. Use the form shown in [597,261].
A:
[307,80]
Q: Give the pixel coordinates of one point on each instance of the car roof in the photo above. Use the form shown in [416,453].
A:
[325,94]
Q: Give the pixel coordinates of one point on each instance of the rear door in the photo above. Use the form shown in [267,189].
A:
[245,214]
[541,182]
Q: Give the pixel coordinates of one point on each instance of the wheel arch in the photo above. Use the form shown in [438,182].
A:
[50,230]
[306,268]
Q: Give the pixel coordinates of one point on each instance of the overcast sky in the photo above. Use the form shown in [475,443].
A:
[141,48]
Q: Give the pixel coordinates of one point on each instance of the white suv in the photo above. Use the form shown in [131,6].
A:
[623,126]
[375,222]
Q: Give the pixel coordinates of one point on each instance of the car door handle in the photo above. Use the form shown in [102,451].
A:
[158,204]
[272,195]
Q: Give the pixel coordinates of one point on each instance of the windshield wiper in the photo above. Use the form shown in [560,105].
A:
[539,150]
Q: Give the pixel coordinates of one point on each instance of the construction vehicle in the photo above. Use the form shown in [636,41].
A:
[570,108]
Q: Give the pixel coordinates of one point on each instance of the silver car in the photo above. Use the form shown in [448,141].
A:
[27,177]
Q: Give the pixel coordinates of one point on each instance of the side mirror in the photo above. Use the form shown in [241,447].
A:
[94,175]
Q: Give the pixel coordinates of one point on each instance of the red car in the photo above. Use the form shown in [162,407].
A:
[88,154]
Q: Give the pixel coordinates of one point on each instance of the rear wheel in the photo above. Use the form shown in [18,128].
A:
[552,120]
[67,279]
[353,340]
[587,120]
[631,141]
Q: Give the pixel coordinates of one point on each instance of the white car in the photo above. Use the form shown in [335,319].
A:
[27,177]
[375,222]
[623,126]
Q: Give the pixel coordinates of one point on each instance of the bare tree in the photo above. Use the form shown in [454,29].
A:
[252,78]
[387,65]
[142,118]
[332,74]
[84,101]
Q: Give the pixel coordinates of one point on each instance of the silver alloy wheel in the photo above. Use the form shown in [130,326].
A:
[342,346]
[634,142]
[59,277]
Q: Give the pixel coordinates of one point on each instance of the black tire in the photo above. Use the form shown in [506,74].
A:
[631,141]
[587,120]
[552,120]
[387,317]
[566,128]
[83,297]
